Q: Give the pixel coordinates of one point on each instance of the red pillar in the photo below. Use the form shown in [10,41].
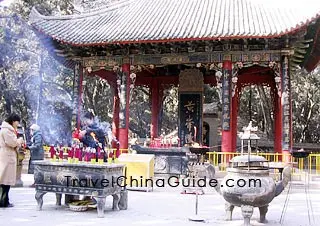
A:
[154,109]
[124,110]
[235,105]
[116,110]
[277,123]
[226,105]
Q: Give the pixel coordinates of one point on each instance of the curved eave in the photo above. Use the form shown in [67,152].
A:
[162,21]
[312,59]
[151,41]
[313,64]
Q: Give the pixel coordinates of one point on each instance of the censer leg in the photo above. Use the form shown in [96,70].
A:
[39,197]
[123,203]
[101,202]
[116,199]
[247,212]
[229,208]
[263,211]
[58,199]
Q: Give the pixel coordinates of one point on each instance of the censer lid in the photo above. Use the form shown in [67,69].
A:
[248,158]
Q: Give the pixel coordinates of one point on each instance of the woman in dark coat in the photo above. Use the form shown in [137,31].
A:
[36,147]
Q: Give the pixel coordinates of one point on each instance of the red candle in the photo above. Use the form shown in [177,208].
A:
[81,152]
[86,155]
[77,153]
[61,154]
[151,142]
[71,152]
[93,155]
[52,152]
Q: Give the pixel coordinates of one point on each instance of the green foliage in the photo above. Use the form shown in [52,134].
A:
[98,97]
[211,94]
[306,106]
[46,7]
[31,78]
[16,62]
[140,111]
[169,113]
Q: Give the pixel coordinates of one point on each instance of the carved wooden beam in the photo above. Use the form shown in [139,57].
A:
[185,58]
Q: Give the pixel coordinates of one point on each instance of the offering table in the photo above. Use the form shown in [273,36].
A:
[97,180]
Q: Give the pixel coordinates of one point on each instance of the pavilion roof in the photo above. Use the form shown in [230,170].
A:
[147,21]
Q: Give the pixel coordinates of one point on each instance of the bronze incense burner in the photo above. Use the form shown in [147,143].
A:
[248,185]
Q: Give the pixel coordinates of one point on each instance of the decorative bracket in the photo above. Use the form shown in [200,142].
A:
[133,77]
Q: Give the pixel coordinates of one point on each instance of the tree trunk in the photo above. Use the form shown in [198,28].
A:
[6,94]
[266,110]
[305,129]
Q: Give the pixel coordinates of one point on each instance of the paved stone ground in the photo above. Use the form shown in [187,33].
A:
[163,206]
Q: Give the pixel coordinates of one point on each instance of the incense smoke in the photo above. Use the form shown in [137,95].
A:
[51,106]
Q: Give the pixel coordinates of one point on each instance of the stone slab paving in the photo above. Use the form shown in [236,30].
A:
[163,206]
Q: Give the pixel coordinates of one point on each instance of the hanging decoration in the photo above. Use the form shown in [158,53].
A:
[218,75]
[276,68]
[234,80]
[121,80]
[133,76]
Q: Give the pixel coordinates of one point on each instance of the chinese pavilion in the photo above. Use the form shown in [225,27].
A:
[188,43]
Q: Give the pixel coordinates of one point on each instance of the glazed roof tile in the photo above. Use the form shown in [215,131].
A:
[136,21]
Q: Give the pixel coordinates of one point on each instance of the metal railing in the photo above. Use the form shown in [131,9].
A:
[311,164]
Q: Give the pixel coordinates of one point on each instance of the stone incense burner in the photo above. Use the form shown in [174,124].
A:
[248,185]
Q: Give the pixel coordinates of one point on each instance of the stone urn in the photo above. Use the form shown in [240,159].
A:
[248,185]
